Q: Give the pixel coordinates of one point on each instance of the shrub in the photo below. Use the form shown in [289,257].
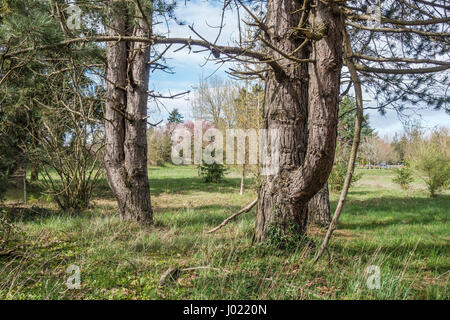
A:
[159,146]
[337,176]
[69,153]
[214,172]
[433,165]
[403,177]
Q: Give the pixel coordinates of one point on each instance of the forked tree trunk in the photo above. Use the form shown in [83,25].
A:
[126,111]
[302,104]
[285,109]
[319,208]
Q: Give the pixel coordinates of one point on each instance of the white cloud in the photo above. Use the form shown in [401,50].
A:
[189,67]
[389,124]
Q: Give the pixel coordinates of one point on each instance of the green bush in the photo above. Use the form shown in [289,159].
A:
[432,164]
[403,177]
[337,176]
[214,172]
[158,147]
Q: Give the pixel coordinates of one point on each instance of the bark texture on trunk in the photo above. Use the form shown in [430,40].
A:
[319,208]
[285,109]
[356,140]
[126,111]
[302,104]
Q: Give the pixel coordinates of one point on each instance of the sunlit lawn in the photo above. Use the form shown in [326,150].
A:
[405,233]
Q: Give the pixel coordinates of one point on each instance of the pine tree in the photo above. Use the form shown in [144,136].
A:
[175,117]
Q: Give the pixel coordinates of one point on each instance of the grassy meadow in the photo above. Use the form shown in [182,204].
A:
[405,233]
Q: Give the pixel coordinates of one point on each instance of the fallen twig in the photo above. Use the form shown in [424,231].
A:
[172,274]
[7,252]
[234,215]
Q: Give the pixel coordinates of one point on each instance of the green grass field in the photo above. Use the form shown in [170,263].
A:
[405,233]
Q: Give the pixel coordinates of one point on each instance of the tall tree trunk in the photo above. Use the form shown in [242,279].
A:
[319,208]
[126,111]
[285,109]
[241,192]
[302,104]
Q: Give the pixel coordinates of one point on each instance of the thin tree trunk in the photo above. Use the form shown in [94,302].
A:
[34,175]
[319,208]
[25,187]
[356,140]
[302,105]
[241,192]
[126,111]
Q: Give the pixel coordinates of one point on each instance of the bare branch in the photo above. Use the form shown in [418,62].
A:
[401,71]
[234,215]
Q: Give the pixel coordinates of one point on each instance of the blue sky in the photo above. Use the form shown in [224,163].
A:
[190,67]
